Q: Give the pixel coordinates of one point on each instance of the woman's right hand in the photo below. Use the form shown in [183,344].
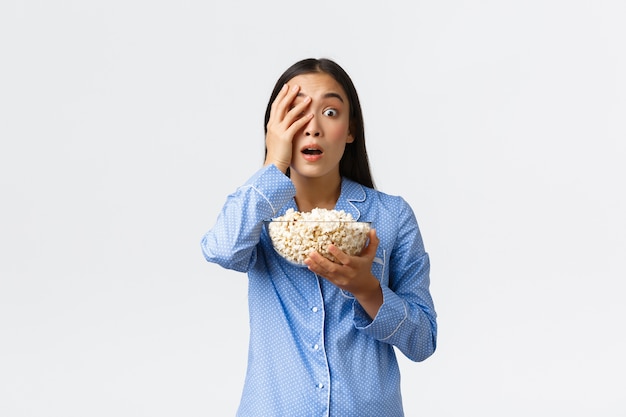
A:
[286,119]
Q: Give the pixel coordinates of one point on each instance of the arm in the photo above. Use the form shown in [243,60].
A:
[232,242]
[407,317]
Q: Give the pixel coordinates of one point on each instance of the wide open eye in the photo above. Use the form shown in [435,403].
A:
[330,112]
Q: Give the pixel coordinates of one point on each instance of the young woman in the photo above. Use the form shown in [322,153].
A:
[322,336]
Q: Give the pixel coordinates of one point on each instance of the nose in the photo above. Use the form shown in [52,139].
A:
[312,129]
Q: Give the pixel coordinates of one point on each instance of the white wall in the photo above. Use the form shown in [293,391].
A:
[124,124]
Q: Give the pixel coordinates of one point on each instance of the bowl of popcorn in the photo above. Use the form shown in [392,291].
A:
[296,234]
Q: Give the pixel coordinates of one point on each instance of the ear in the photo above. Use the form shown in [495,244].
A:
[351,127]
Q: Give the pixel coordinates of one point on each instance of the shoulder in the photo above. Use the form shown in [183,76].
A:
[392,201]
[376,202]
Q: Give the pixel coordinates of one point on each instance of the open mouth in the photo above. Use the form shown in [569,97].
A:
[311,150]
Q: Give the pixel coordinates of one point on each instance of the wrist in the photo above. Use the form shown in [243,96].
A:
[281,166]
[372,292]
[371,299]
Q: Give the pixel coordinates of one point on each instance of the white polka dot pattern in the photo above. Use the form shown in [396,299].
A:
[313,349]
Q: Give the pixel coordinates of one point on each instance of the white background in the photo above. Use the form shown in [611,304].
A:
[124,125]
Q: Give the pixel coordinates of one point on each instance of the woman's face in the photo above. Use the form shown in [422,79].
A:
[319,146]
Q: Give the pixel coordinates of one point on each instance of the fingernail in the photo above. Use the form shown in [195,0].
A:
[294,88]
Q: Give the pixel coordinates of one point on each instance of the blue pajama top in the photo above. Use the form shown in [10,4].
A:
[313,350]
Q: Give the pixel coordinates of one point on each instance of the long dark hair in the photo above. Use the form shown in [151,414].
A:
[354,163]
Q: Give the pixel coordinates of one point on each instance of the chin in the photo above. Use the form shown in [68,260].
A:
[310,172]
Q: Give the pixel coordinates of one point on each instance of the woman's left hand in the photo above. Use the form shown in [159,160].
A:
[352,273]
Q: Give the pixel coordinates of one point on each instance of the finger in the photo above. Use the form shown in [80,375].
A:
[341,256]
[312,264]
[286,103]
[298,124]
[279,98]
[319,264]
[282,102]
[297,110]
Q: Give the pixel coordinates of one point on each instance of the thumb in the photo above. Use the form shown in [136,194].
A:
[372,246]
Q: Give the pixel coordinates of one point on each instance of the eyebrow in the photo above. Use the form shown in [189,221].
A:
[327,95]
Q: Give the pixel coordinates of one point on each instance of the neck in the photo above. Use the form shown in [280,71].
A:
[316,192]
